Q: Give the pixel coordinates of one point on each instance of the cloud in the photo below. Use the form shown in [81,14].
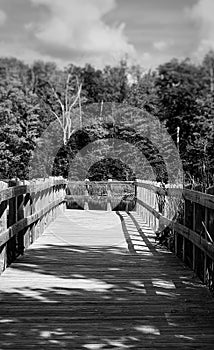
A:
[202,14]
[160,45]
[163,45]
[78,26]
[3,17]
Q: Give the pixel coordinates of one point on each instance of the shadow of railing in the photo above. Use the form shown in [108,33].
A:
[76,297]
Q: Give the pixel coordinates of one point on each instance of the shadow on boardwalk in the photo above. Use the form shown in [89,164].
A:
[60,296]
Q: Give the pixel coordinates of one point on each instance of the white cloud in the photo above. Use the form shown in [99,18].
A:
[160,45]
[3,17]
[78,26]
[203,10]
[163,45]
[202,13]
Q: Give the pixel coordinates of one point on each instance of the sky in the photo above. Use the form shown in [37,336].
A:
[100,32]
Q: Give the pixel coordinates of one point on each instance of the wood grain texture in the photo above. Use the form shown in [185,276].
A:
[80,286]
[24,212]
[35,187]
[192,236]
[27,221]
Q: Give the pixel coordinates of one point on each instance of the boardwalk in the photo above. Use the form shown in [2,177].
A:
[91,283]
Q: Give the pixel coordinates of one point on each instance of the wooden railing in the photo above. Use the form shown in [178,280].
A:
[25,210]
[187,216]
[187,219]
[105,195]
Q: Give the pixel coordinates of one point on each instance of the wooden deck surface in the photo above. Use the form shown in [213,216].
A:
[80,286]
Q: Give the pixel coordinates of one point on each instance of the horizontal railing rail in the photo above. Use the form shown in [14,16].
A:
[25,211]
[105,195]
[186,219]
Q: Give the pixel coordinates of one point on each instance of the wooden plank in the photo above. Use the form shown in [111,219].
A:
[27,221]
[109,195]
[83,296]
[3,227]
[86,197]
[11,192]
[196,239]
[151,186]
[206,200]
[185,232]
[159,216]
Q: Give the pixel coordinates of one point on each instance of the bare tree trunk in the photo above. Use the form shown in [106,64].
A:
[66,108]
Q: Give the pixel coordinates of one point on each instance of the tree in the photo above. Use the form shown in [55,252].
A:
[180,95]
[19,118]
[60,93]
[142,92]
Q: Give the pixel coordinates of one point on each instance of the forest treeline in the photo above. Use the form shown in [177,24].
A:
[179,93]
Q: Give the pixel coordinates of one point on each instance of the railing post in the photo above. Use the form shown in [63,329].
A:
[20,216]
[12,219]
[27,211]
[157,209]
[205,269]
[176,240]
[205,256]
[3,227]
[109,208]
[147,199]
[86,207]
[193,245]
[144,199]
[184,249]
[17,220]
[149,202]
[32,230]
[135,195]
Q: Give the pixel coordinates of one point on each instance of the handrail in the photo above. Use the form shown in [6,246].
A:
[156,203]
[25,210]
[114,182]
[25,222]
[34,187]
[86,193]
